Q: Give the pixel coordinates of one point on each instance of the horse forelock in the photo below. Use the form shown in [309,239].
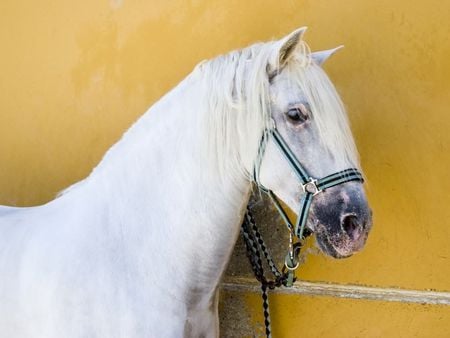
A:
[328,112]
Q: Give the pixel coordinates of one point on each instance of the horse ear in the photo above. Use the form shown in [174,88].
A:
[287,45]
[322,56]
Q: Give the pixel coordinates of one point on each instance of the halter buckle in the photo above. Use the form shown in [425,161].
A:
[311,187]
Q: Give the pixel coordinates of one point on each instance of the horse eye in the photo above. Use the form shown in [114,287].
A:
[297,115]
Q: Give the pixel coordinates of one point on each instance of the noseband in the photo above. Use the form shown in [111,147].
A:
[253,240]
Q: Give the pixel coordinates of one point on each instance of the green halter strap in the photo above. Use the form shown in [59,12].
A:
[311,186]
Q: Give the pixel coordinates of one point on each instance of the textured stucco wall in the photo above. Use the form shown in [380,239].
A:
[76,74]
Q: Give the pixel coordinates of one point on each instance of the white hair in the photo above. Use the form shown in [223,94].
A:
[231,106]
[328,111]
[236,105]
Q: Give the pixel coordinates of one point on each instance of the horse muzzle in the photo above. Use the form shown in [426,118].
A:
[341,221]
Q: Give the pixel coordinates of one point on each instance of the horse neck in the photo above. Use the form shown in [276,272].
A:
[161,187]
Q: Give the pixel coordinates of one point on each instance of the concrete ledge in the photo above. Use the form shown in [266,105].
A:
[245,284]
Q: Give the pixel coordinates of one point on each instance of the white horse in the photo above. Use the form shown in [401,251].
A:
[138,248]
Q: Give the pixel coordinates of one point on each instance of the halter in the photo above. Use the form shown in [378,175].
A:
[253,240]
[310,186]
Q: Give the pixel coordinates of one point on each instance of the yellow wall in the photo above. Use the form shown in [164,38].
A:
[324,317]
[76,74]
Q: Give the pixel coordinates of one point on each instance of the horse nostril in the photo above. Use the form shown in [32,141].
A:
[351,227]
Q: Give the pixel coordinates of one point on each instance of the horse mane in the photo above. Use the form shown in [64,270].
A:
[237,105]
[233,108]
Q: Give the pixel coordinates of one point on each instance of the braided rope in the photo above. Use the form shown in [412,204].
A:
[262,245]
[256,247]
[265,298]
[253,253]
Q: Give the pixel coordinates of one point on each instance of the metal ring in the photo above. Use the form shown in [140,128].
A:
[289,268]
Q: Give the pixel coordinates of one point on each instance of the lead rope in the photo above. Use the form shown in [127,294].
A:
[256,247]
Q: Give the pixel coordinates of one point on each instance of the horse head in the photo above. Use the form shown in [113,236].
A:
[311,120]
